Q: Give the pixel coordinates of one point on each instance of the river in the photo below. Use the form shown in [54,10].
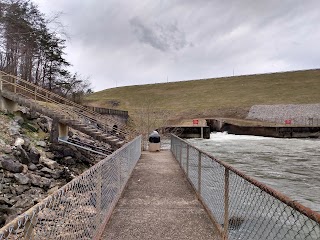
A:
[291,166]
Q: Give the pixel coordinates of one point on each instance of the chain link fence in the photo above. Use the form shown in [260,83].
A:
[80,209]
[239,206]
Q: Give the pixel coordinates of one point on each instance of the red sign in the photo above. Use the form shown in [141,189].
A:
[195,121]
[288,121]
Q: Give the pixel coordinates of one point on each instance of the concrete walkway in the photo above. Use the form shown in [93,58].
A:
[158,203]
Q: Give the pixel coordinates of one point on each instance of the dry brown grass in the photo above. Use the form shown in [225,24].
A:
[218,97]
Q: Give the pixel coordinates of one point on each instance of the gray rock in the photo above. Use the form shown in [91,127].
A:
[25,202]
[43,124]
[2,142]
[39,181]
[41,143]
[48,162]
[21,189]
[24,157]
[19,119]
[47,170]
[14,128]
[5,149]
[68,161]
[19,142]
[11,165]
[32,167]
[27,144]
[2,220]
[21,178]
[32,115]
[34,155]
[5,201]
[5,209]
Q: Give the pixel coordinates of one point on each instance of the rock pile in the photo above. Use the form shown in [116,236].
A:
[31,168]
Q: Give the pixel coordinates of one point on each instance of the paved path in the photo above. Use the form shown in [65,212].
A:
[158,203]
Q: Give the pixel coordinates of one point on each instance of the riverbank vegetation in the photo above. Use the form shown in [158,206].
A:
[30,49]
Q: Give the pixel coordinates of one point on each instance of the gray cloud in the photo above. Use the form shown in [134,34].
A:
[119,42]
[160,36]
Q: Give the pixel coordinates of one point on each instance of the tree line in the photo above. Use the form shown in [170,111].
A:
[30,50]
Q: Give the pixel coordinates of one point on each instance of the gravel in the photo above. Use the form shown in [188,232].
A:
[299,114]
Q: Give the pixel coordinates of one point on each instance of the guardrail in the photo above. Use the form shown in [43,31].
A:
[29,90]
[109,111]
[296,121]
[239,206]
[81,208]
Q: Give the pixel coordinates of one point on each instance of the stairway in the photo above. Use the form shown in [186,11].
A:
[66,116]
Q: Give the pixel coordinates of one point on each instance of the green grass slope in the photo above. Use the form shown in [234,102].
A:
[225,97]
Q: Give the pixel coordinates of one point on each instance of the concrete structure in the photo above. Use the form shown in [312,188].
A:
[280,131]
[8,105]
[63,131]
[187,131]
[159,203]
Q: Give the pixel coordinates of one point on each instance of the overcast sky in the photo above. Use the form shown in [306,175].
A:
[133,42]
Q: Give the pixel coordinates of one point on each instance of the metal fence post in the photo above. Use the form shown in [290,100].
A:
[99,195]
[199,173]
[187,170]
[28,229]
[226,204]
[180,157]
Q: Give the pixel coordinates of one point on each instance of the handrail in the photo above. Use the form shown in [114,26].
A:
[49,98]
[236,192]
[98,190]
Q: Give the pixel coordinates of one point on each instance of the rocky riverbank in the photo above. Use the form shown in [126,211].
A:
[31,167]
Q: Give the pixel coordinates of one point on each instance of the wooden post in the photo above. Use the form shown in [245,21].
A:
[226,204]
[99,195]
[0,82]
[201,132]
[14,86]
[35,93]
[199,173]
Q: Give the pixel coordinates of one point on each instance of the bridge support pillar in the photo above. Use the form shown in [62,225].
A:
[8,105]
[63,131]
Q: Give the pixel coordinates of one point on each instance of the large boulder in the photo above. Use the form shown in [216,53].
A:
[48,162]
[39,181]
[11,165]
[24,157]
[43,123]
[34,155]
[19,142]
[41,143]
[21,178]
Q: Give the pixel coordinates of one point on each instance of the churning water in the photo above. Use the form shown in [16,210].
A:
[291,166]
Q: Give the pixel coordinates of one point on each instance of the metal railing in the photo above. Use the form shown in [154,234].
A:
[292,121]
[109,111]
[29,90]
[81,208]
[239,206]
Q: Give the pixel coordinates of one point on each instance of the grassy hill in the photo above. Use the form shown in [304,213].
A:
[216,97]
